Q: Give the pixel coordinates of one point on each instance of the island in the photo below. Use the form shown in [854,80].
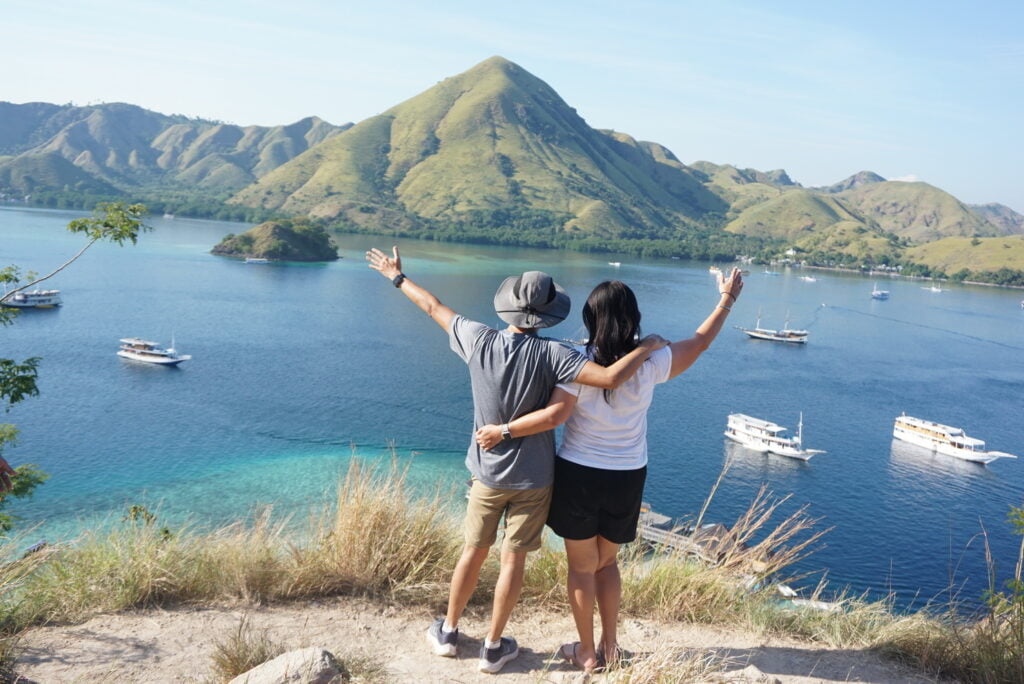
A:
[280,240]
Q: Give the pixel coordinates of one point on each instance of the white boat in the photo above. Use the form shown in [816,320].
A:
[616,264]
[714,269]
[784,335]
[765,437]
[771,273]
[256,260]
[35,299]
[944,439]
[150,352]
[879,294]
[809,279]
[933,288]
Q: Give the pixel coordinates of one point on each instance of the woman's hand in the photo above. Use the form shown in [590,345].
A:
[732,285]
[488,437]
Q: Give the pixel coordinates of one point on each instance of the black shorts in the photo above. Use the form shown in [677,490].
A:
[587,502]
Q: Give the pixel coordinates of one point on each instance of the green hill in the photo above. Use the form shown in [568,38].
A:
[918,211]
[28,173]
[791,215]
[494,138]
[1001,216]
[128,147]
[283,240]
[975,254]
[849,242]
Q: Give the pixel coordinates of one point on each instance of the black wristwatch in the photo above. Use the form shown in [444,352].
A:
[506,431]
[397,280]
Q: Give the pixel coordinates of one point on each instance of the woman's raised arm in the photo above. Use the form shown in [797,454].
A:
[685,352]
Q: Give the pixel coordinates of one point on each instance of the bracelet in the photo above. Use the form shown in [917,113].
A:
[723,307]
[397,280]
[728,294]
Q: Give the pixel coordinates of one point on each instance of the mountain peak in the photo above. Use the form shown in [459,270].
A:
[855,181]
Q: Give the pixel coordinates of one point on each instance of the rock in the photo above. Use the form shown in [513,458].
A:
[312,665]
[748,675]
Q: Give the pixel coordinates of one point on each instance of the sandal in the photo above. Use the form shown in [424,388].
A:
[569,655]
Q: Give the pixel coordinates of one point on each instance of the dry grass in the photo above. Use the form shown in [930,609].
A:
[241,650]
[382,542]
[668,665]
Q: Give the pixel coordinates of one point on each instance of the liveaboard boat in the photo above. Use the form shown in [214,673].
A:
[256,260]
[150,352]
[35,299]
[766,437]
[784,335]
[944,439]
[808,279]
[616,264]
[879,294]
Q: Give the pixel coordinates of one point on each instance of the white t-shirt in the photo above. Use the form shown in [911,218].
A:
[612,433]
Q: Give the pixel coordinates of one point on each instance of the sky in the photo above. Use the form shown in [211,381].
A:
[911,90]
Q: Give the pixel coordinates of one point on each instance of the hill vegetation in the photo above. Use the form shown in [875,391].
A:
[284,240]
[494,138]
[492,155]
[125,147]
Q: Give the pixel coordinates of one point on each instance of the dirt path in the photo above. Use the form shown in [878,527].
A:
[175,646]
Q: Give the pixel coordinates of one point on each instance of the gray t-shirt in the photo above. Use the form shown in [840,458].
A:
[512,374]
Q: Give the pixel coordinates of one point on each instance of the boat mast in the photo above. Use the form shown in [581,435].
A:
[800,430]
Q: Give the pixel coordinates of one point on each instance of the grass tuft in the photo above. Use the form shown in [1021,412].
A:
[241,650]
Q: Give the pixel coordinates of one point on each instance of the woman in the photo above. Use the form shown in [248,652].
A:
[602,461]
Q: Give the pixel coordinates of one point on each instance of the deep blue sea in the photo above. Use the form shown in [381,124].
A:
[296,367]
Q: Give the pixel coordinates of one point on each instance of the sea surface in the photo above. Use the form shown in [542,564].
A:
[297,367]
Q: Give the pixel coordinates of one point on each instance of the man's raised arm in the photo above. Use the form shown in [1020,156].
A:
[391,268]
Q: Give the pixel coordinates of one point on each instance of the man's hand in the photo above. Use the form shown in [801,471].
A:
[6,471]
[732,285]
[488,437]
[653,342]
[389,267]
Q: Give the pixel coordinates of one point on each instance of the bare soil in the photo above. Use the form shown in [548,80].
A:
[176,646]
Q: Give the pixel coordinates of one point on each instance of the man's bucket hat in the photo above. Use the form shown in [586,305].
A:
[532,300]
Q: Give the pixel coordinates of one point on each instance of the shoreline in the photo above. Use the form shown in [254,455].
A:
[890,274]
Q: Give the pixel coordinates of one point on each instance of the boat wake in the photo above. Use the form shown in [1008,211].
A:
[957,333]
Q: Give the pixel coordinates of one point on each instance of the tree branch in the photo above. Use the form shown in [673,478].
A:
[67,263]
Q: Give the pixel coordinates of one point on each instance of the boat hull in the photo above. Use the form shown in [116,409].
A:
[775,338]
[983,457]
[765,447]
[156,360]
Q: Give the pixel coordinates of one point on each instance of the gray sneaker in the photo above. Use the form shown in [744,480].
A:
[493,659]
[442,642]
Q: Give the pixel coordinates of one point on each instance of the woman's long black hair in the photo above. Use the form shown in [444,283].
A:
[612,318]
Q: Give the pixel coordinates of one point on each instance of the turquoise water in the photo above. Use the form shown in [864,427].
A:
[296,367]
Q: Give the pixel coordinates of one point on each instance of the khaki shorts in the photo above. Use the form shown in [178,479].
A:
[525,511]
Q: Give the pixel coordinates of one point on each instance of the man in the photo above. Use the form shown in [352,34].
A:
[512,372]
